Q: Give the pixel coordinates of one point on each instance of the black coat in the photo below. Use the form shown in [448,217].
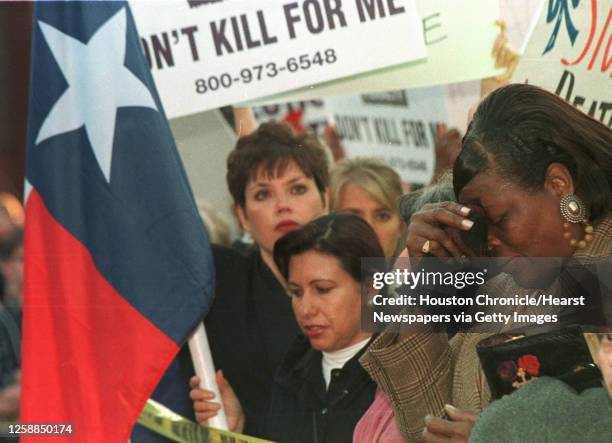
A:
[250,328]
[302,411]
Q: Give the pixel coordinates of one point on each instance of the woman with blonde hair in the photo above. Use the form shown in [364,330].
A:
[371,189]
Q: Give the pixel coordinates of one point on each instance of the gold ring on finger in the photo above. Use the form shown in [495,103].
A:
[426,247]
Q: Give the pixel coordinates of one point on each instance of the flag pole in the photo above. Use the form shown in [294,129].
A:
[204,369]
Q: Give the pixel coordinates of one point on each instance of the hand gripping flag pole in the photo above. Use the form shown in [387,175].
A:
[203,364]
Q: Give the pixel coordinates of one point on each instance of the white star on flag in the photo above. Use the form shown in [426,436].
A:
[98,84]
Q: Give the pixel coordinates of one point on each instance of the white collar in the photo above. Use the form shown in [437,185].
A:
[337,359]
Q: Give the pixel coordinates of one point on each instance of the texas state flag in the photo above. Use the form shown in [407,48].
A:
[118,268]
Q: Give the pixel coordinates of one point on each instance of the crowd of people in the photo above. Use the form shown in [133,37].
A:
[538,170]
[294,361]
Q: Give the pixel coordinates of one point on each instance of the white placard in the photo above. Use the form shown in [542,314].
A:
[207,55]
[570,54]
[459,36]
[398,127]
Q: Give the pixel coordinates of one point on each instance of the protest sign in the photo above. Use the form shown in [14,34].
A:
[569,54]
[398,127]
[207,55]
[459,36]
[519,16]
[310,114]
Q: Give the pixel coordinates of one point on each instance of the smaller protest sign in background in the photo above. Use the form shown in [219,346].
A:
[310,114]
[398,127]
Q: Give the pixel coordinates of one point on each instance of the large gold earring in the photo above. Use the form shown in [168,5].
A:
[574,211]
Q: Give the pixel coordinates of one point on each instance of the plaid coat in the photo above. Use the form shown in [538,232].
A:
[420,373]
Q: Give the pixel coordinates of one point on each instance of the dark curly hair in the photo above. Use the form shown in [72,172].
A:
[270,149]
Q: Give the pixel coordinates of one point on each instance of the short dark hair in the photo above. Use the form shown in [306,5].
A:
[345,236]
[270,149]
[521,129]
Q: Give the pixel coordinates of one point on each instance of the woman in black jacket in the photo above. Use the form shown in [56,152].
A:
[278,181]
[320,391]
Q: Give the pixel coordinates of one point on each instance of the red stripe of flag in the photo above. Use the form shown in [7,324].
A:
[93,347]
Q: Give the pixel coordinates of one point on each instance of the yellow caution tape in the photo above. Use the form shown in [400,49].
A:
[162,420]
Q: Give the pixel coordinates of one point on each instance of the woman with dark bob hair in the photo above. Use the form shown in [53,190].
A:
[279,182]
[540,172]
[321,391]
